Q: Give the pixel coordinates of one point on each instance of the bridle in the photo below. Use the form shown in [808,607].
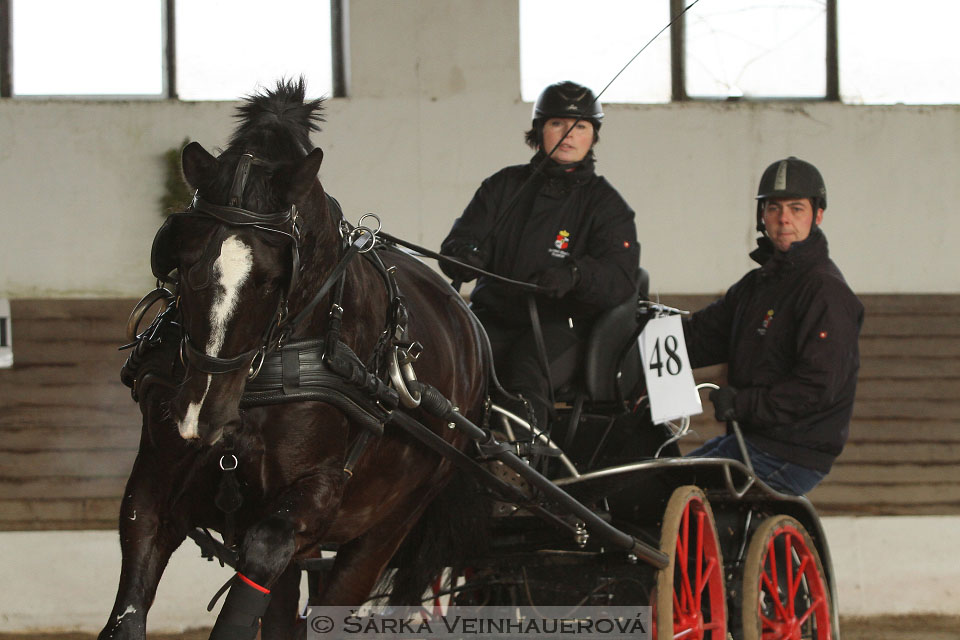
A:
[285,223]
[355,240]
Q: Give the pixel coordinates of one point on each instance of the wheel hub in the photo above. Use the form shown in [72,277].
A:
[689,626]
[788,629]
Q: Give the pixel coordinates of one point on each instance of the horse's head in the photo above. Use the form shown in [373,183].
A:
[236,251]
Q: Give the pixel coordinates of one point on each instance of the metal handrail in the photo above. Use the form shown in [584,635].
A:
[539,435]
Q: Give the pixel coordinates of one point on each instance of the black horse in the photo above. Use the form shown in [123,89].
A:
[259,242]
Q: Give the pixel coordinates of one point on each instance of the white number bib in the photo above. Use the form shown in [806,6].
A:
[670,386]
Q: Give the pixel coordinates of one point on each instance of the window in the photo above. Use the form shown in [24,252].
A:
[588,42]
[860,51]
[900,52]
[748,49]
[106,47]
[227,48]
[194,49]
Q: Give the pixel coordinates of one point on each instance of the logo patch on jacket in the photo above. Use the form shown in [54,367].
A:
[561,243]
[766,323]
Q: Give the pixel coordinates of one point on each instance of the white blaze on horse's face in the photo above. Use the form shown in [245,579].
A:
[231,269]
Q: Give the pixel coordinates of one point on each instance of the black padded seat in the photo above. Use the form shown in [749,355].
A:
[612,336]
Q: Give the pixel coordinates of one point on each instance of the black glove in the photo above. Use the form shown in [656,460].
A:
[464,252]
[723,403]
[559,280]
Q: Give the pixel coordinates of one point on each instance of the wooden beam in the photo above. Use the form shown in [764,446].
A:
[170,50]
[832,59]
[6,38]
[339,46]
[678,66]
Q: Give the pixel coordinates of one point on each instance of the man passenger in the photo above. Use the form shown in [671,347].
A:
[788,332]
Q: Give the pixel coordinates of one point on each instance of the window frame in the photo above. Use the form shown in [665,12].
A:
[338,44]
[678,67]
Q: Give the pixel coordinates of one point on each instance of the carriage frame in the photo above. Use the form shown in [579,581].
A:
[559,514]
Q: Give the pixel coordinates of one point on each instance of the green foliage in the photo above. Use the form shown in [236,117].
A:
[176,194]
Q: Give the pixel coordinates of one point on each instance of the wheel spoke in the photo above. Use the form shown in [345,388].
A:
[776,598]
[690,601]
[683,556]
[788,561]
[772,555]
[766,622]
[711,567]
[800,573]
[819,602]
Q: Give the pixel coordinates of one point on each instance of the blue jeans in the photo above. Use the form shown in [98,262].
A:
[781,475]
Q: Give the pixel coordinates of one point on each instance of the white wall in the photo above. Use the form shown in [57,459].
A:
[884,566]
[435,108]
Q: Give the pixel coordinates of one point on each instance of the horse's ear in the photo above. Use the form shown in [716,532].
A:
[304,174]
[199,166]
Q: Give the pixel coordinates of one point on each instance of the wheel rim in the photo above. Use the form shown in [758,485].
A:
[793,601]
[698,598]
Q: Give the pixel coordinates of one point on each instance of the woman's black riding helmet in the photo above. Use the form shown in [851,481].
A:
[564,100]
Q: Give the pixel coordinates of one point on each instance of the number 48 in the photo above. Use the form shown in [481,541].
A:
[673,364]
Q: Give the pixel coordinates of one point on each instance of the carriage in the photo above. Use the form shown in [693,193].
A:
[600,509]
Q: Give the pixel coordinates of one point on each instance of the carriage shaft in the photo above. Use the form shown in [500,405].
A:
[436,404]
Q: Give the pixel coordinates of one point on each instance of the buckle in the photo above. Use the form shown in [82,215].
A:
[410,353]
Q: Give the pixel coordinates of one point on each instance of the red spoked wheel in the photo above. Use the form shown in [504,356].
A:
[690,598]
[785,596]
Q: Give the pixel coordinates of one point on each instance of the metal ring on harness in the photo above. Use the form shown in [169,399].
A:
[255,370]
[232,457]
[133,323]
[399,376]
[183,354]
[358,231]
[375,217]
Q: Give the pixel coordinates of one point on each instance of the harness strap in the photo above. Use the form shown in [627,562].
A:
[237,217]
[541,352]
[306,370]
[240,176]
[212,364]
[355,452]
[359,244]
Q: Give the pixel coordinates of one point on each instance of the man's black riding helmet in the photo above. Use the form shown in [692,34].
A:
[791,178]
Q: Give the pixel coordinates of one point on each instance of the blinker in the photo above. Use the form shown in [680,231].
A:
[163,252]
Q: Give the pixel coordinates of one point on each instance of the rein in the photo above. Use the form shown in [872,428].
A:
[526,286]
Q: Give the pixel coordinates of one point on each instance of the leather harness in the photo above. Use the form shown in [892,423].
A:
[284,370]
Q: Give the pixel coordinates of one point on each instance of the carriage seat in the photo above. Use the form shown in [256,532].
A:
[613,336]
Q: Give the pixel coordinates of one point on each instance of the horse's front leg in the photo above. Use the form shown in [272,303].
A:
[280,621]
[148,537]
[306,507]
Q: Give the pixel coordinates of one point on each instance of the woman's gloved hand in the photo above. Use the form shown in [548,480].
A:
[559,280]
[464,252]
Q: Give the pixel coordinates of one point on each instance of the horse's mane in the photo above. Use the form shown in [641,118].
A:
[272,122]
[275,126]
